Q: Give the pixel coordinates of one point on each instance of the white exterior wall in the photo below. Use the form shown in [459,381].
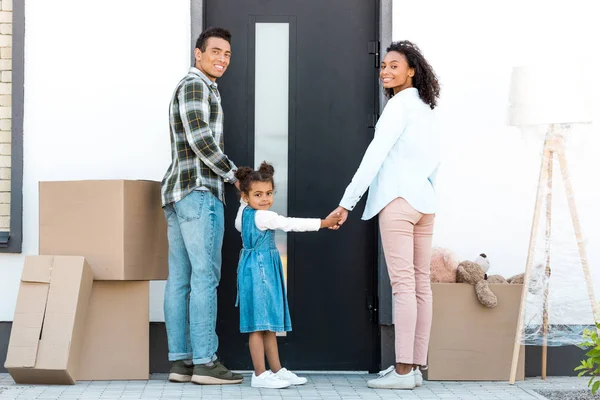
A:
[98,79]
[99,76]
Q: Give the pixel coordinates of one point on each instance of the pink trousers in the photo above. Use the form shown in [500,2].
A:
[406,236]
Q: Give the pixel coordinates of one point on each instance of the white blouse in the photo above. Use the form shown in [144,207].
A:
[270,220]
[402,159]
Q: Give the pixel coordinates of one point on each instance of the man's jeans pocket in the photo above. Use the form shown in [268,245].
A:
[190,207]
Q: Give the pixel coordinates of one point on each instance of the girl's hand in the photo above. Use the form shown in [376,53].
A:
[343,213]
[331,221]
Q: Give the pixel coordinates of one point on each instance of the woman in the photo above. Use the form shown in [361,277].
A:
[399,167]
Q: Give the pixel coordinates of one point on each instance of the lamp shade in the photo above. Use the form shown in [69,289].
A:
[548,94]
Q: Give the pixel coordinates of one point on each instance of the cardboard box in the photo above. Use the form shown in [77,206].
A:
[470,342]
[116,343]
[117,225]
[48,326]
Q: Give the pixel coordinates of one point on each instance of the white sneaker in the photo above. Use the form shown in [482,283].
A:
[418,377]
[390,379]
[268,380]
[290,377]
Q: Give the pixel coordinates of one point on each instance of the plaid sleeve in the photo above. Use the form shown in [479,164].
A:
[194,108]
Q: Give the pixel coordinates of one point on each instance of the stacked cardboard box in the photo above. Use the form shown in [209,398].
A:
[120,229]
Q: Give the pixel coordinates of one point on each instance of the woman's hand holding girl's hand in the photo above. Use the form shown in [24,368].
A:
[342,213]
[331,221]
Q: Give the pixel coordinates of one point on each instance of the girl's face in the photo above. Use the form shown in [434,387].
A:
[260,195]
[395,73]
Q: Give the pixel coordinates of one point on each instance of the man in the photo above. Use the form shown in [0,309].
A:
[193,196]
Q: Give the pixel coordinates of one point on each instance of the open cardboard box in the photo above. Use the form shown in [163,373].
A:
[470,342]
[49,323]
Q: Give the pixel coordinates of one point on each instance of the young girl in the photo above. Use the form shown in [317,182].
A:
[261,288]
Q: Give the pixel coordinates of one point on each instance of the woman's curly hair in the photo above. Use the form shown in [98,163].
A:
[424,80]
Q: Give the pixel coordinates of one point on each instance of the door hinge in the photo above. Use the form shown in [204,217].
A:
[372,120]
[374,50]
[372,308]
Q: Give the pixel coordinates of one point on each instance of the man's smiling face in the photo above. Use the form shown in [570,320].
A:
[214,60]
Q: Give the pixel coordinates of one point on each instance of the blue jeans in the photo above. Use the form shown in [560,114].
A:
[195,232]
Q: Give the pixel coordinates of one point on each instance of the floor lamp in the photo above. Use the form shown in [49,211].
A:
[538,99]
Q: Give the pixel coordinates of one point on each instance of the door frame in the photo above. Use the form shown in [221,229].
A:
[384,27]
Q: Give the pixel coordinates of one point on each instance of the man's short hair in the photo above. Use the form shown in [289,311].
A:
[212,32]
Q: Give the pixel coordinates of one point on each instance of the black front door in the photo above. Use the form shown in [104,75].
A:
[301,92]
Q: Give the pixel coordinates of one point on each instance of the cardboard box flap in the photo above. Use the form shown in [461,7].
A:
[53,354]
[21,357]
[31,299]
[27,325]
[27,328]
[37,269]
[58,327]
[64,290]
[47,326]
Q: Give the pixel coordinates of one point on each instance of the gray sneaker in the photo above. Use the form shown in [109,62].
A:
[216,374]
[180,372]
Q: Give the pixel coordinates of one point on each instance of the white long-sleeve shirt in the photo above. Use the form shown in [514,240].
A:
[402,159]
[270,220]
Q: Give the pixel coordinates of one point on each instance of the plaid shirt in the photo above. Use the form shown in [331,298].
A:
[196,128]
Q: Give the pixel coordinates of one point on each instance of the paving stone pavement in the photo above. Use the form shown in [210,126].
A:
[330,386]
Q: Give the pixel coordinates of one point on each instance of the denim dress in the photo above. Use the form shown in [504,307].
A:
[262,297]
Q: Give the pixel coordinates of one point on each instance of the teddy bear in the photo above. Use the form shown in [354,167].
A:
[484,263]
[496,279]
[444,263]
[517,279]
[473,272]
